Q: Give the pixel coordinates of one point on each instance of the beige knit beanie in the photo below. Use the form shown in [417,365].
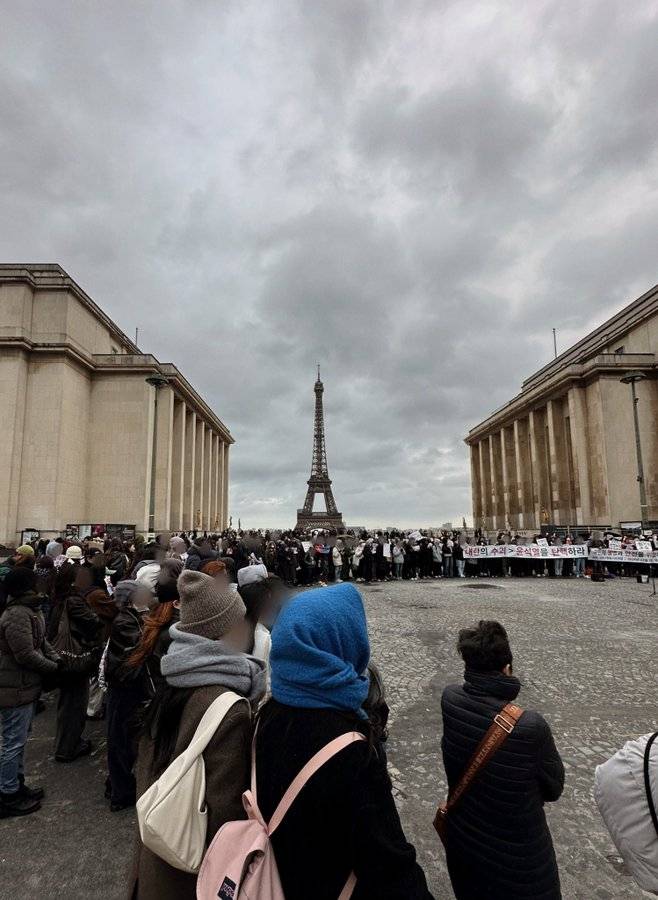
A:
[206,608]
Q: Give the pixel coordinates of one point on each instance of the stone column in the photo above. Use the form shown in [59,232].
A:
[225,485]
[560,499]
[493,490]
[199,471]
[14,378]
[538,466]
[485,479]
[476,489]
[222,507]
[522,462]
[578,439]
[178,467]
[164,452]
[190,470]
[218,482]
[208,483]
[211,481]
[506,475]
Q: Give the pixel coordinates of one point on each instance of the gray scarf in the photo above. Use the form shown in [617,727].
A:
[193,661]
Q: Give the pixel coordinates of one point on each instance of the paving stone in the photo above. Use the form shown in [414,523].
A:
[584,652]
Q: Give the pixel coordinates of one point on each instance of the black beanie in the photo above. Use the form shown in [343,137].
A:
[20,580]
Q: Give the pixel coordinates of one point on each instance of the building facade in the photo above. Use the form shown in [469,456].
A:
[94,430]
[563,451]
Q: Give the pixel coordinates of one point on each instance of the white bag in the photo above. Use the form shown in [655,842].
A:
[624,788]
[172,813]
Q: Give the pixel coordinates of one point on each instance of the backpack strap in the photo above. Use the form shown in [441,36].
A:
[312,766]
[647,780]
[502,726]
[210,722]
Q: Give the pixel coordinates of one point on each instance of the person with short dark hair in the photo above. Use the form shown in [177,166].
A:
[25,659]
[85,628]
[498,844]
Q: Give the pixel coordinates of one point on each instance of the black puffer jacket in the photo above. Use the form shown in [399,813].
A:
[498,844]
[345,817]
[25,655]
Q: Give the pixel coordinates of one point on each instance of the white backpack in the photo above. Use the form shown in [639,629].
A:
[624,788]
[172,814]
[240,863]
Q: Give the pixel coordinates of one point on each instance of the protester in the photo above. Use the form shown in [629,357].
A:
[263,595]
[26,659]
[54,547]
[320,653]
[126,690]
[205,659]
[23,557]
[155,638]
[73,615]
[90,582]
[498,844]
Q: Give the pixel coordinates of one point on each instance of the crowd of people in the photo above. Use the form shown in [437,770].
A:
[149,636]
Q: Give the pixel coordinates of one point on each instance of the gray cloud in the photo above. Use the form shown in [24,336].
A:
[412,194]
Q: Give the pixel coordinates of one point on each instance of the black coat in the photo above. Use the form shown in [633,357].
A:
[124,637]
[344,819]
[25,655]
[498,844]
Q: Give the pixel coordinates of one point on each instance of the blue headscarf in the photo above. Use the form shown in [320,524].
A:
[320,650]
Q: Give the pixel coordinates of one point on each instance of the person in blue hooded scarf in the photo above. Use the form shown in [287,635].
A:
[345,819]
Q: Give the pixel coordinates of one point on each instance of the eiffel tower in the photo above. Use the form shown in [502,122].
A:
[319,482]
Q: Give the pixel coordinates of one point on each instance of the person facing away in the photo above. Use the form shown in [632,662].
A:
[345,817]
[70,583]
[26,659]
[206,658]
[126,691]
[498,844]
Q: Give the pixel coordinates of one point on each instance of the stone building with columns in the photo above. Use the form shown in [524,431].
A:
[94,430]
[563,451]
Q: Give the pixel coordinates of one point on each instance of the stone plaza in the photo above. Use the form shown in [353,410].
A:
[584,652]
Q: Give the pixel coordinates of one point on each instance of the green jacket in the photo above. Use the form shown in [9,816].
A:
[25,655]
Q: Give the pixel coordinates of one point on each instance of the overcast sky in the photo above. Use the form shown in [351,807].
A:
[411,193]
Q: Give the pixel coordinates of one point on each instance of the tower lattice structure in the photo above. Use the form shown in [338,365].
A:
[319,482]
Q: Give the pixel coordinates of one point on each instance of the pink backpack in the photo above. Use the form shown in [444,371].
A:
[240,863]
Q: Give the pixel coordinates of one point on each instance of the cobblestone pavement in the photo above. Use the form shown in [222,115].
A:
[584,652]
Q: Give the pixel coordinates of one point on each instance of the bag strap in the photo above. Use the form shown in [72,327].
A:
[210,722]
[499,730]
[647,780]
[312,766]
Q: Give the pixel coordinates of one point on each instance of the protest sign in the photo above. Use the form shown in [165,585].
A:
[525,551]
[603,554]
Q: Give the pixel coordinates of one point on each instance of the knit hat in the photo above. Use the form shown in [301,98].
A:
[207,609]
[74,552]
[177,545]
[25,550]
[250,574]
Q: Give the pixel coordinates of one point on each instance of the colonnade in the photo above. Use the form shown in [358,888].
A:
[534,469]
[192,468]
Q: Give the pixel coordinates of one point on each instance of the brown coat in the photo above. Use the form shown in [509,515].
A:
[227,762]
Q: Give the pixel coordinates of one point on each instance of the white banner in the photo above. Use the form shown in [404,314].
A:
[565,551]
[604,554]
[525,551]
